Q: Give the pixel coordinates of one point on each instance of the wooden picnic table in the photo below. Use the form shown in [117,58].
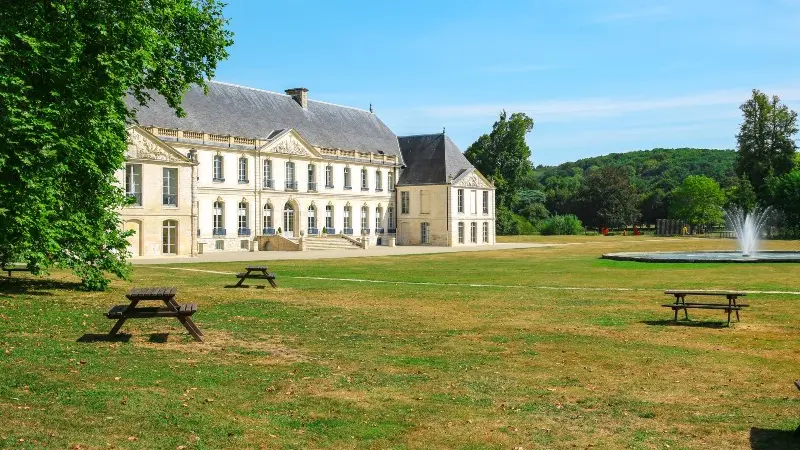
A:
[172,308]
[680,302]
[14,268]
[261,275]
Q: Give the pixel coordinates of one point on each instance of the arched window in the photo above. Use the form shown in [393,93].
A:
[219,172]
[312,219]
[244,219]
[329,219]
[218,214]
[169,237]
[348,219]
[243,178]
[378,217]
[269,221]
[365,219]
[288,219]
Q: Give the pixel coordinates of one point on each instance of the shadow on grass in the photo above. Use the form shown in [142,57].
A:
[92,337]
[35,286]
[159,338]
[685,323]
[257,286]
[764,439]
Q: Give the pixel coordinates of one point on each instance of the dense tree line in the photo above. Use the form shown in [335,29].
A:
[640,187]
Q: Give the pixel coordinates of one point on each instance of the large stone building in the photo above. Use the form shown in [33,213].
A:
[249,170]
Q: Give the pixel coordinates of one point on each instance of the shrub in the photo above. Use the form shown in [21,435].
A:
[558,225]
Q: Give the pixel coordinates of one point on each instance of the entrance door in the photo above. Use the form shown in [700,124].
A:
[288,220]
[135,239]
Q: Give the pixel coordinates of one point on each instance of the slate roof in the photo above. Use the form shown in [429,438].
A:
[430,159]
[253,113]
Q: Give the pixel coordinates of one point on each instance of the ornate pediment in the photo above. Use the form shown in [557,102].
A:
[143,147]
[290,143]
[471,180]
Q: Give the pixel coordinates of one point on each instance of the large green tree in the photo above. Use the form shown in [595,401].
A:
[503,155]
[65,68]
[765,140]
[785,193]
[698,200]
[609,198]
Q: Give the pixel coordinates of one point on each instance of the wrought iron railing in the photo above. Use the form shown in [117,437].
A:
[137,198]
[291,185]
[244,231]
[244,181]
[330,230]
[391,231]
[365,231]
[218,180]
[312,186]
[269,231]
[313,231]
[347,231]
[218,232]
[170,199]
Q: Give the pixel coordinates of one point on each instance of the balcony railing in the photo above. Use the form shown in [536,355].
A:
[365,231]
[170,200]
[364,188]
[348,231]
[291,185]
[268,231]
[329,185]
[312,186]
[218,232]
[269,183]
[347,186]
[218,180]
[330,230]
[391,231]
[312,231]
[244,231]
[378,189]
[378,230]
[136,198]
[244,181]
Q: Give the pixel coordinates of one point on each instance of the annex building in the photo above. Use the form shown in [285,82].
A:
[252,170]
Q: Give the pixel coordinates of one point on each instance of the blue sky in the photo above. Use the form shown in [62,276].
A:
[597,76]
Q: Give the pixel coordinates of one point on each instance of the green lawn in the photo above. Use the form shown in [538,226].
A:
[428,363]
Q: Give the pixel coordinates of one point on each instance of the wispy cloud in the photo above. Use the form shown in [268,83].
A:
[637,14]
[559,110]
[508,69]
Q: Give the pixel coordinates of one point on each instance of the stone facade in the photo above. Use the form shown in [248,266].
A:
[199,192]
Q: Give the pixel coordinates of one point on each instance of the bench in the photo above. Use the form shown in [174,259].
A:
[681,304]
[171,308]
[262,275]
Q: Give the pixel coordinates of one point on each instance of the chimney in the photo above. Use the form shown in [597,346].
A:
[300,95]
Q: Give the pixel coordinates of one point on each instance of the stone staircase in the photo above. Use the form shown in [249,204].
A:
[329,243]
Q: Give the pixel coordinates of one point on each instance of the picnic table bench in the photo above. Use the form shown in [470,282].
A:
[172,308]
[681,304]
[15,268]
[261,275]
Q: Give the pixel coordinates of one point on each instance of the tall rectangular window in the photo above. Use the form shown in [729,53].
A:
[348,220]
[329,176]
[473,202]
[390,217]
[218,219]
[378,180]
[404,200]
[243,179]
[169,237]
[244,226]
[170,189]
[378,214]
[364,179]
[291,183]
[486,202]
[461,200]
[329,218]
[133,183]
[390,183]
[425,235]
[485,231]
[364,219]
[424,202]
[312,178]
[218,174]
[347,184]
[460,232]
[473,232]
[269,182]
